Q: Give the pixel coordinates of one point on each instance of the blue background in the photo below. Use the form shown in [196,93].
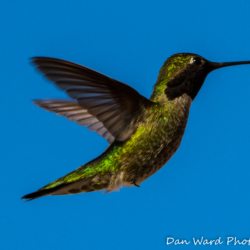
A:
[203,190]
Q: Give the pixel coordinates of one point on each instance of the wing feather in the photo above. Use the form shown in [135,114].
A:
[73,112]
[103,103]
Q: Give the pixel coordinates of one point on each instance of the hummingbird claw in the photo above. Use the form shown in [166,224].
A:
[135,184]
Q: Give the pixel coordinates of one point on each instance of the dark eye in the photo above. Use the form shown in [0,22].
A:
[197,61]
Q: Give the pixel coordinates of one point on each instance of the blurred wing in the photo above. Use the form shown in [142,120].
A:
[74,112]
[116,105]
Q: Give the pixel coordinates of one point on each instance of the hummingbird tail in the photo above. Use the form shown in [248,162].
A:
[95,183]
[39,193]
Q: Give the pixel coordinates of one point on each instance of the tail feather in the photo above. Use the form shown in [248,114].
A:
[42,192]
[95,183]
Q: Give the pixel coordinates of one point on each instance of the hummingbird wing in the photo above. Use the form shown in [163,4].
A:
[113,103]
[74,112]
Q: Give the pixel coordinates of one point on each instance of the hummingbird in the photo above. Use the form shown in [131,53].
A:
[143,134]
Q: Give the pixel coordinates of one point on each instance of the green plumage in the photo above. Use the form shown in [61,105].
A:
[144,134]
[136,155]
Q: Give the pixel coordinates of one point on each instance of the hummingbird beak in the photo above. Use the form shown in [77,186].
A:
[214,66]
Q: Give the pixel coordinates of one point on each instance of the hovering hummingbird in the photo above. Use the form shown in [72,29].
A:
[143,133]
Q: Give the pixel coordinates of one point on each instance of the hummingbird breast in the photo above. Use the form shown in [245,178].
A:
[156,140]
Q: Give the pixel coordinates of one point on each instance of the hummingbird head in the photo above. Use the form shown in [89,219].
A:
[185,73]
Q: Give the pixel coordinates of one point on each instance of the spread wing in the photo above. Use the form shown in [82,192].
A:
[115,105]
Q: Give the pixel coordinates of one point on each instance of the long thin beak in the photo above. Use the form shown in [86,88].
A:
[215,66]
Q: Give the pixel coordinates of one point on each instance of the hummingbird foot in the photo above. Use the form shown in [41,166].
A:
[135,184]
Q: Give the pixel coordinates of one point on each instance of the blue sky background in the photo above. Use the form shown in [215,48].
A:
[202,191]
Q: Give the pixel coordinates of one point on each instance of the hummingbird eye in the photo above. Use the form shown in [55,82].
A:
[196,60]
